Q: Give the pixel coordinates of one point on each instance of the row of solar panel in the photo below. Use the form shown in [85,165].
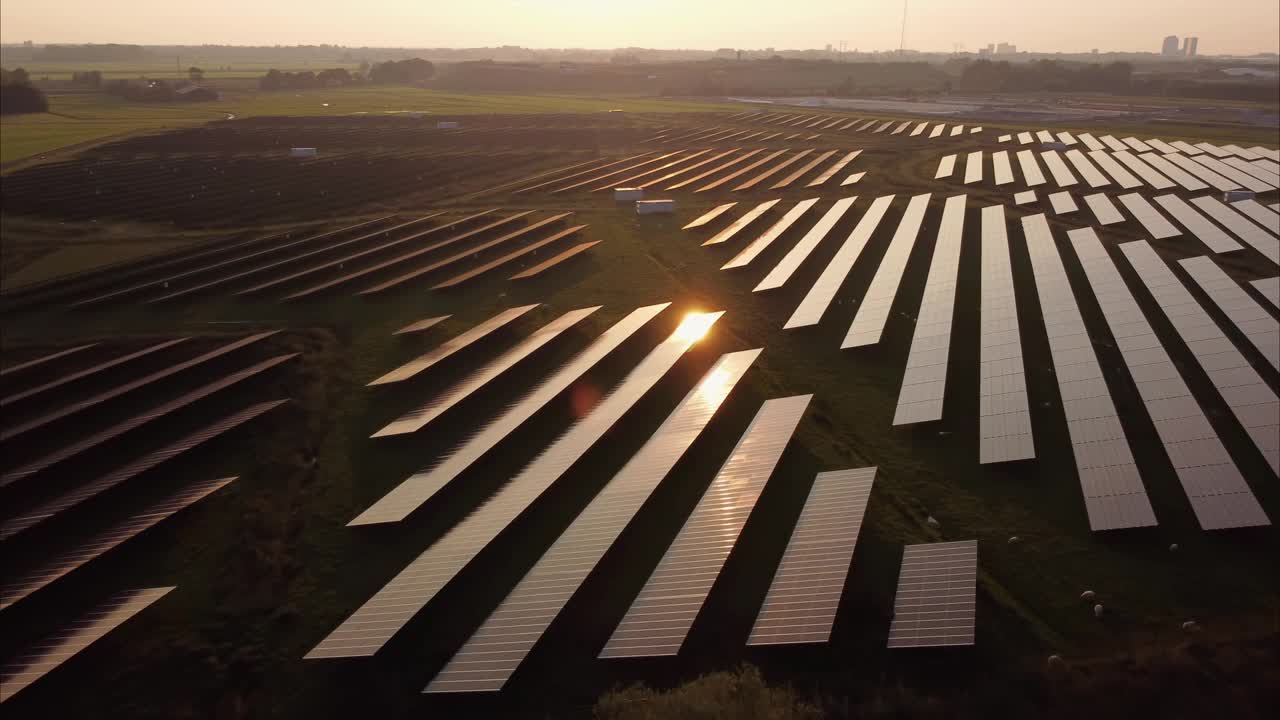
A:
[1108,142]
[398,253]
[809,121]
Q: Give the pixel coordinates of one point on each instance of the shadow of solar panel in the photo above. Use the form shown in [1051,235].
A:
[935,605]
[453,346]
[660,617]
[33,663]
[391,607]
[489,658]
[16,589]
[800,606]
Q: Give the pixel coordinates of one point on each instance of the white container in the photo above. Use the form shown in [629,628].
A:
[302,152]
[654,207]
[1237,195]
[447,125]
[628,194]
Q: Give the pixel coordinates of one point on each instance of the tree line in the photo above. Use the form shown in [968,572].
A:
[413,71]
[18,95]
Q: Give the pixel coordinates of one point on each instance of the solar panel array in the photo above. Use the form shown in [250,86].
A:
[1250,318]
[1144,171]
[1219,496]
[419,417]
[936,601]
[819,297]
[801,604]
[44,359]
[420,487]
[453,346]
[375,622]
[1103,209]
[873,311]
[830,172]
[421,325]
[1004,418]
[1030,168]
[925,381]
[1177,174]
[20,586]
[737,226]
[1255,211]
[1150,218]
[1114,496]
[1252,401]
[761,243]
[1250,234]
[1123,177]
[799,252]
[492,654]
[555,260]
[1087,170]
[659,618]
[91,371]
[39,660]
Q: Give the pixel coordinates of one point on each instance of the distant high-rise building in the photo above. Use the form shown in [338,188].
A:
[1006,49]
[1170,46]
[1189,46]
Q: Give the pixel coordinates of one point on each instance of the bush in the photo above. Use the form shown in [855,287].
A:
[17,99]
[738,695]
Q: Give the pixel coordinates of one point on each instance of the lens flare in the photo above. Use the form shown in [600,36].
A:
[695,326]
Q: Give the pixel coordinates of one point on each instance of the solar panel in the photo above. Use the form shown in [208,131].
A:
[498,262]
[419,417]
[45,359]
[788,180]
[472,252]
[1066,138]
[1061,173]
[79,494]
[375,622]
[804,594]
[631,179]
[1123,177]
[690,168]
[737,173]
[1024,138]
[1004,417]
[1186,147]
[709,215]
[919,128]
[936,601]
[712,171]
[1062,203]
[884,126]
[773,170]
[924,382]
[1004,139]
[1251,234]
[421,325]
[660,617]
[1152,178]
[1091,174]
[1255,211]
[1137,144]
[873,311]
[1030,168]
[89,371]
[1114,496]
[738,225]
[757,246]
[1025,197]
[555,260]
[391,262]
[1270,166]
[1213,150]
[1103,209]
[1250,318]
[614,174]
[1151,219]
[1271,154]
[585,166]
[797,254]
[1219,496]
[1091,142]
[1252,401]
[956,130]
[853,178]
[815,302]
[946,166]
[937,130]
[1044,136]
[1215,180]
[1003,170]
[18,587]
[901,127]
[1206,232]
[454,345]
[1240,152]
[1270,289]
[124,389]
[1113,143]
[420,487]
[1265,177]
[1175,173]
[35,662]
[973,168]
[866,125]
[120,428]
[1162,146]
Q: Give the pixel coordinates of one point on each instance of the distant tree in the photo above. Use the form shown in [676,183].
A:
[273,80]
[333,76]
[21,98]
[88,78]
[19,76]
[405,72]
[195,74]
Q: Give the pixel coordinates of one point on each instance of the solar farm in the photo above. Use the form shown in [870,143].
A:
[486,415]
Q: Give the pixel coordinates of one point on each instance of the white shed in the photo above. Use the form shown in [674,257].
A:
[654,207]
[301,152]
[447,125]
[628,194]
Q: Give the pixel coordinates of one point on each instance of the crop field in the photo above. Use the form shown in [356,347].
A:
[430,410]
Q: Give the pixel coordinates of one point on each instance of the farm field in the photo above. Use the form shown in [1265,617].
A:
[385,303]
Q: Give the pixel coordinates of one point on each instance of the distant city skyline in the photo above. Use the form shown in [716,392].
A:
[1245,27]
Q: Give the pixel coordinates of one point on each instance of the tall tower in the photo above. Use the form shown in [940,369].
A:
[1189,46]
[1170,46]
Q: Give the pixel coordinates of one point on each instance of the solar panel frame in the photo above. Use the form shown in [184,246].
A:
[765,239]
[1114,144]
[1186,147]
[1024,138]
[1144,171]
[1212,150]
[17,589]
[747,185]
[921,396]
[1062,203]
[956,130]
[1151,220]
[1136,144]
[36,362]
[708,173]
[1114,496]
[919,128]
[1003,170]
[1103,209]
[819,297]
[555,260]
[1239,226]
[1248,396]
[382,616]
[91,370]
[745,220]
[830,172]
[1257,212]
[1198,225]
[709,215]
[1269,288]
[508,258]
[1118,172]
[1246,314]
[629,181]
[1266,177]
[35,662]
[615,173]
[1066,138]
[689,168]
[1091,142]
[790,262]
[937,130]
[946,167]
[418,418]
[422,325]
[901,127]
[1004,417]
[1031,173]
[936,601]
[1044,136]
[1206,175]
[1161,146]
[973,168]
[804,593]
[1091,174]
[1062,175]
[452,346]
[1182,177]
[873,312]
[737,173]
[796,175]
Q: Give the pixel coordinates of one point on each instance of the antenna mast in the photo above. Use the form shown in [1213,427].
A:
[903,37]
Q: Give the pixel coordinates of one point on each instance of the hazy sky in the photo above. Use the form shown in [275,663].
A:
[1236,27]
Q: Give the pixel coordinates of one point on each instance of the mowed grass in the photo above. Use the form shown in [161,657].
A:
[76,118]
